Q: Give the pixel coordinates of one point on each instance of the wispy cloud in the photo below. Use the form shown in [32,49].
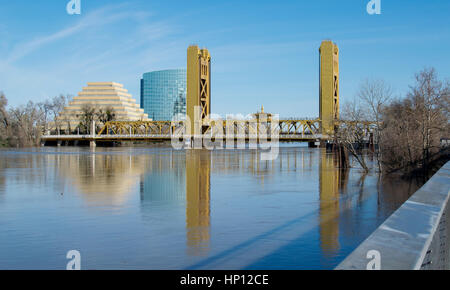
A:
[116,42]
[100,17]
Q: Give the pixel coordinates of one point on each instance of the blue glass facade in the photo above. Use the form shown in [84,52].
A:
[163,94]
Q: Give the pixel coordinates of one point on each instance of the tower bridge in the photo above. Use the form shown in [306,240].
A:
[198,110]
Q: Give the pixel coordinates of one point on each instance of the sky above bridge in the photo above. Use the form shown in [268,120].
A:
[263,52]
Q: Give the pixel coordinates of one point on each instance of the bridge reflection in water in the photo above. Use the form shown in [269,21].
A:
[198,174]
[198,169]
[332,185]
[200,164]
[204,209]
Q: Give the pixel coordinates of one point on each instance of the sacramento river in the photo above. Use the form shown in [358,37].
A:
[158,208]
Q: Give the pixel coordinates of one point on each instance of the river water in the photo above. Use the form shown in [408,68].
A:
[159,208]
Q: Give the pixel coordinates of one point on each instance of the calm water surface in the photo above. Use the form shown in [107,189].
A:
[158,208]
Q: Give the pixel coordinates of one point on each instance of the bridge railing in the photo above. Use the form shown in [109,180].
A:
[416,236]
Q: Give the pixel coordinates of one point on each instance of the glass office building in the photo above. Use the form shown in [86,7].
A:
[163,94]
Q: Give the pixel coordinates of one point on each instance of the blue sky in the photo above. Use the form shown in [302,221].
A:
[263,52]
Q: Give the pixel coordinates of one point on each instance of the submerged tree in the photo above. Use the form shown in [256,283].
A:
[375,95]
[367,106]
[349,135]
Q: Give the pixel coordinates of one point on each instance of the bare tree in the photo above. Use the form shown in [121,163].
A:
[350,134]
[375,96]
[23,125]
[46,109]
[427,95]
[3,111]
[445,99]
[57,105]
[4,120]
[87,116]
[413,127]
[27,121]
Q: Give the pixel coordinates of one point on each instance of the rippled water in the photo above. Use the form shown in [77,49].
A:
[158,208]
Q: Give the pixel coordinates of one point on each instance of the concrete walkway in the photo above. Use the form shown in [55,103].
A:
[416,236]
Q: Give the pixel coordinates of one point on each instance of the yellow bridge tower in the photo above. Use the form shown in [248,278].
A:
[328,86]
[198,87]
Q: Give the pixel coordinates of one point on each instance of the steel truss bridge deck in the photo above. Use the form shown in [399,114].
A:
[284,130]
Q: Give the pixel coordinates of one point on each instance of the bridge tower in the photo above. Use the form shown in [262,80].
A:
[198,87]
[328,86]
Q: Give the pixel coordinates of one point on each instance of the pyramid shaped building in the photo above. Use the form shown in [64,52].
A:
[102,95]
